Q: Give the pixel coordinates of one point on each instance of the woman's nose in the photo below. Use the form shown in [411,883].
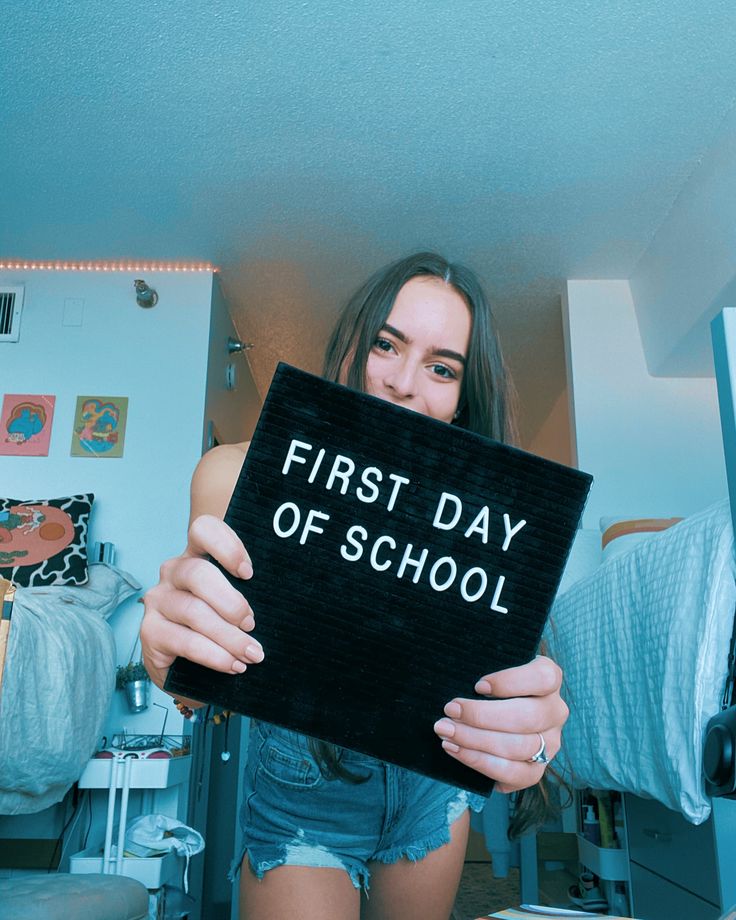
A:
[402,379]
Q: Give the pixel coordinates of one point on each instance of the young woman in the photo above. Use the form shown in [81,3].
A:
[320,823]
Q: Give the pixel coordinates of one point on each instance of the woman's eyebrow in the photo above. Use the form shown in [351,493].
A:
[397,332]
[449,353]
[440,352]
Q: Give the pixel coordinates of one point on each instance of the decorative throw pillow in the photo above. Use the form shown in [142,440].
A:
[44,542]
[620,534]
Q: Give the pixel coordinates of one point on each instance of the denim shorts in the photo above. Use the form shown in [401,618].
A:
[293,815]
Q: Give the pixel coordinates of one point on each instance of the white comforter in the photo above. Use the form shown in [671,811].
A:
[58,680]
[643,643]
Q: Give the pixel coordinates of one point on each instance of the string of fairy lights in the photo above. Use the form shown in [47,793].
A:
[105,266]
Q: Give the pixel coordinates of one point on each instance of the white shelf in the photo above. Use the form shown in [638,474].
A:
[607,863]
[144,774]
[153,872]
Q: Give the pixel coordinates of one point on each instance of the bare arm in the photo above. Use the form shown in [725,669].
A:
[214,480]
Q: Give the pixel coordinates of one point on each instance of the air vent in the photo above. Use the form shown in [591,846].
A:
[11,305]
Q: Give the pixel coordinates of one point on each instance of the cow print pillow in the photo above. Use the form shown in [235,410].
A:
[44,542]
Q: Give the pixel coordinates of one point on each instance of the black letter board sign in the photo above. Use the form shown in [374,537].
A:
[397,559]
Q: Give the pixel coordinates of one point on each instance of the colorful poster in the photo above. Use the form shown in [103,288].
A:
[99,426]
[25,425]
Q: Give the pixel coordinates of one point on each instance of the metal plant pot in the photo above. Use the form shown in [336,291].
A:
[138,694]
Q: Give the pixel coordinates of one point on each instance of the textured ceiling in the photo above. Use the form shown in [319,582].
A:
[299,145]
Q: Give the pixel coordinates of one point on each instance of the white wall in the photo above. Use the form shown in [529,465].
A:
[653,444]
[170,363]
[158,358]
[688,272]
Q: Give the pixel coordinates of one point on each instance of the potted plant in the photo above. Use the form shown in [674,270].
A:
[134,680]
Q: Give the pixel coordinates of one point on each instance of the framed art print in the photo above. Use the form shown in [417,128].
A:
[25,424]
[99,426]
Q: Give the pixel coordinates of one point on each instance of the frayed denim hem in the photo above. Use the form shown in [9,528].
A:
[419,849]
[300,852]
[464,799]
[414,851]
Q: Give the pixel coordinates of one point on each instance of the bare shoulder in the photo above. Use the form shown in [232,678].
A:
[215,477]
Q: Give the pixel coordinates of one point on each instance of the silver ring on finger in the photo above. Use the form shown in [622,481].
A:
[541,755]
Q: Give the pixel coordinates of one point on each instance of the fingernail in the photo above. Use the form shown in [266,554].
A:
[245,570]
[450,746]
[255,653]
[444,728]
[248,622]
[483,686]
[239,666]
[453,710]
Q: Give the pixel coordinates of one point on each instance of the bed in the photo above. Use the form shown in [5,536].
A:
[58,681]
[643,641]
[643,635]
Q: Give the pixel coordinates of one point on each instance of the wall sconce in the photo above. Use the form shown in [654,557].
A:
[236,345]
[145,296]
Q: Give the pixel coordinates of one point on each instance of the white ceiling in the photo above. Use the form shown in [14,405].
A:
[299,145]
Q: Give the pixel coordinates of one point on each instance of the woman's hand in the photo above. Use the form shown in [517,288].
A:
[195,612]
[499,736]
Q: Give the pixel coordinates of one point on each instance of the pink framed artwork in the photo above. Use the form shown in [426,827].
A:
[25,424]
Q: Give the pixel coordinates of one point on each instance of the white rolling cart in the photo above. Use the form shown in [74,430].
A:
[158,785]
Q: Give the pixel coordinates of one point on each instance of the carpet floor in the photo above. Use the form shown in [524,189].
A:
[480,893]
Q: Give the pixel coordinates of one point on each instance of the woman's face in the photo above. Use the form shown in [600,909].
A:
[418,358]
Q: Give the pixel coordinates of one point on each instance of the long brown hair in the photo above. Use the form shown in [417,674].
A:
[486,401]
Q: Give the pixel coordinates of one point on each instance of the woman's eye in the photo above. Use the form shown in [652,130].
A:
[442,370]
[382,344]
